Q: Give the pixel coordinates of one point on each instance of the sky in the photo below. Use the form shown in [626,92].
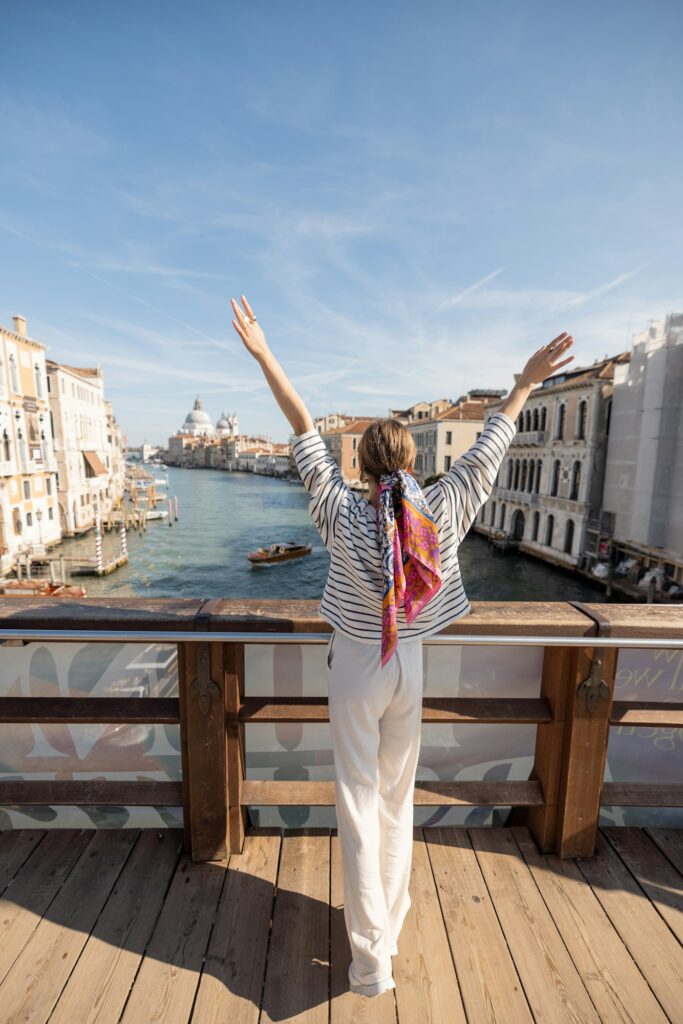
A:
[413,197]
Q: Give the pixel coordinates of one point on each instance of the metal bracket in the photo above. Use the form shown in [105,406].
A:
[594,687]
[203,688]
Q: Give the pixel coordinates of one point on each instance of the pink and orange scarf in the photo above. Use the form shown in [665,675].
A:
[409,546]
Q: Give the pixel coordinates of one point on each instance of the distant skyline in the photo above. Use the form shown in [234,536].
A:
[412,198]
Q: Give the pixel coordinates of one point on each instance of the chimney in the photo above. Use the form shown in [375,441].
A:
[19,325]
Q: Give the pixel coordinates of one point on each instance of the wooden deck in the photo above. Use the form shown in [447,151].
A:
[120,925]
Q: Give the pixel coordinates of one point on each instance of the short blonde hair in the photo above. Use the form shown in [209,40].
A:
[385,445]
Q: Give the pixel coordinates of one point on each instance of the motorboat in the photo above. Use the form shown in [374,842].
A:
[278,553]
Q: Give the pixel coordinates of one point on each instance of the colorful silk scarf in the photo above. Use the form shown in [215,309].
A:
[409,546]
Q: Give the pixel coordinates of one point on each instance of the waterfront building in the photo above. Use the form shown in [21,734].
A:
[643,489]
[331,421]
[443,430]
[227,426]
[342,444]
[29,519]
[548,491]
[87,443]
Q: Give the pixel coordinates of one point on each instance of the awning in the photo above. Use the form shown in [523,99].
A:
[92,460]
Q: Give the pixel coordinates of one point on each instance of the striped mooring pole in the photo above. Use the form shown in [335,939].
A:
[124,541]
[170,513]
[98,546]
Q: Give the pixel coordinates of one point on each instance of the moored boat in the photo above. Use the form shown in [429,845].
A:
[40,588]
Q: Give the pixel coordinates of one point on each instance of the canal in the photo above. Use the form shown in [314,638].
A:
[223,516]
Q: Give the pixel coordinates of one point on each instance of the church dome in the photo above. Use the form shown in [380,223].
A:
[197,420]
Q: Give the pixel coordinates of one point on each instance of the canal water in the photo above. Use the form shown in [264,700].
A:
[223,516]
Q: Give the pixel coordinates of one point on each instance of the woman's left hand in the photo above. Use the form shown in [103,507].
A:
[249,329]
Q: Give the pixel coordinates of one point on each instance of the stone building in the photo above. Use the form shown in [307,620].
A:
[29,518]
[87,441]
[549,486]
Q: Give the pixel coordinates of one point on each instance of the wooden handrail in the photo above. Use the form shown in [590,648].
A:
[573,713]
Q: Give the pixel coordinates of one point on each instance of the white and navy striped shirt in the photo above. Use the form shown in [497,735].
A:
[352,597]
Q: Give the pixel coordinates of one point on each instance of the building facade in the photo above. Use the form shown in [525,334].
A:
[550,483]
[29,520]
[87,442]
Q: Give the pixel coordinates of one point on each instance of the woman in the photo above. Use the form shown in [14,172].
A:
[393,579]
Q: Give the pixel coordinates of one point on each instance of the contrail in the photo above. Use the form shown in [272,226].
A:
[468,291]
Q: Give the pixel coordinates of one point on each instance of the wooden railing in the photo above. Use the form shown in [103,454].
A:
[573,712]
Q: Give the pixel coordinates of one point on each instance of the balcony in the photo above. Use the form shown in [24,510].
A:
[548,917]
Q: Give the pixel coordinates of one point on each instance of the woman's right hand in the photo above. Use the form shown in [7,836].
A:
[249,329]
[543,363]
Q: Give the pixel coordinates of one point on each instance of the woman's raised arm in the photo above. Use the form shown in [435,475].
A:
[252,335]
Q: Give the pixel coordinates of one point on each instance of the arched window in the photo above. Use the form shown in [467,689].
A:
[532,467]
[544,416]
[493,513]
[556,478]
[13,372]
[6,447]
[517,474]
[535,427]
[568,537]
[523,484]
[538,476]
[559,433]
[39,382]
[510,467]
[537,520]
[576,481]
[549,531]
[520,422]
[502,516]
[527,420]
[581,419]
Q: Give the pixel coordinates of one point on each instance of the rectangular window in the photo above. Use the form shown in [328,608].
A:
[447,463]
[27,488]
[29,519]
[48,484]
[449,436]
[50,514]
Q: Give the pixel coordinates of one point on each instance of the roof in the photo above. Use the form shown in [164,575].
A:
[355,426]
[79,371]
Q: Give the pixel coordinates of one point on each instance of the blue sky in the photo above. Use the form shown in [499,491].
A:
[413,197]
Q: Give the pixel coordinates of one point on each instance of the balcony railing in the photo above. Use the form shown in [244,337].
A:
[572,713]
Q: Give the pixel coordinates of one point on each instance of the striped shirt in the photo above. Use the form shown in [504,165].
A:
[346,522]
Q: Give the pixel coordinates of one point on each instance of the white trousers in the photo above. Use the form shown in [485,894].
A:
[376,724]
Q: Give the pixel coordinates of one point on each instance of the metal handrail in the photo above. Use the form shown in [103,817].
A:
[187,636]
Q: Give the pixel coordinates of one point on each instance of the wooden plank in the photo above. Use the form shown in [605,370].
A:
[232,980]
[267,792]
[167,614]
[347,1007]
[16,846]
[98,710]
[638,620]
[32,987]
[584,755]
[203,752]
[231,663]
[142,793]
[426,985]
[99,984]
[551,981]
[656,875]
[166,983]
[490,987]
[651,712]
[456,710]
[646,936]
[617,988]
[557,675]
[642,794]
[34,887]
[670,842]
[297,975]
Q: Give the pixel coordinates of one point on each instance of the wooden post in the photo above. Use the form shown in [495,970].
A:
[557,677]
[586,734]
[233,661]
[203,750]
